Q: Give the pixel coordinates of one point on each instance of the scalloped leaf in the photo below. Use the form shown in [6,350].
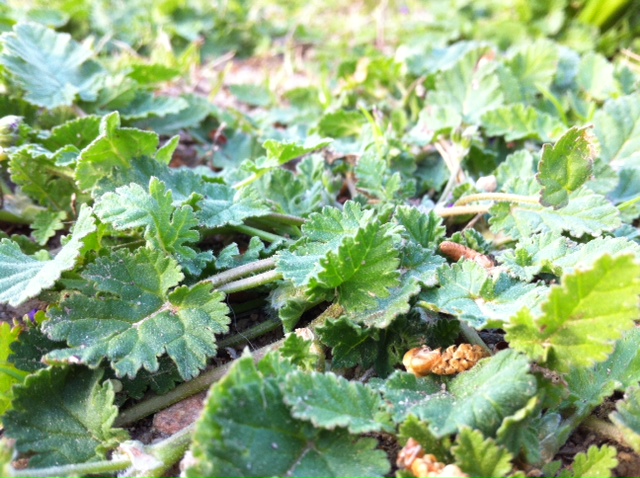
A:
[627,418]
[63,415]
[480,456]
[133,316]
[617,126]
[520,121]
[329,401]
[23,277]
[114,147]
[596,463]
[480,398]
[582,318]
[50,67]
[166,228]
[363,269]
[565,166]
[467,291]
[585,213]
[265,440]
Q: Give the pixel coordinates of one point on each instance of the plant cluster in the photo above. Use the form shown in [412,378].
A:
[472,176]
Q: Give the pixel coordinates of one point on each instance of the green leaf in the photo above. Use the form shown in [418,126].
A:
[46,224]
[596,462]
[427,230]
[521,432]
[23,277]
[329,401]
[417,429]
[586,213]
[590,386]
[480,456]
[532,66]
[197,109]
[280,152]
[375,178]
[617,126]
[480,398]
[467,291]
[351,344]
[253,95]
[582,317]
[41,179]
[596,77]
[323,232]
[565,166]
[341,123]
[519,121]
[114,147]
[78,132]
[9,374]
[166,228]
[63,415]
[470,88]
[265,440]
[363,269]
[133,317]
[147,104]
[50,67]
[627,418]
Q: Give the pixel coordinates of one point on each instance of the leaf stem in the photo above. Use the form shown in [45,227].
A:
[284,219]
[185,390]
[605,429]
[461,210]
[250,282]
[79,469]
[498,197]
[241,271]
[254,231]
[251,333]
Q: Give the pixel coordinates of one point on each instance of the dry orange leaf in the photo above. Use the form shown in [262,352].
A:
[423,361]
[413,458]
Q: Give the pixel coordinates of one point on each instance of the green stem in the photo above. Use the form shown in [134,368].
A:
[254,231]
[171,450]
[605,429]
[555,102]
[628,204]
[80,469]
[461,210]
[246,181]
[283,219]
[498,197]
[185,390]
[334,311]
[257,330]
[250,282]
[242,271]
[471,335]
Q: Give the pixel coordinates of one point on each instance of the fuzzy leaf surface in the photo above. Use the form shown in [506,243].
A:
[583,317]
[466,290]
[565,166]
[23,276]
[617,126]
[329,401]
[586,213]
[266,440]
[596,462]
[50,67]
[114,147]
[134,317]
[627,418]
[519,121]
[166,228]
[63,415]
[480,456]
[480,398]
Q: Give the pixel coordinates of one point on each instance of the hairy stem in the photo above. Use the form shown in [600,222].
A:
[461,210]
[250,282]
[254,231]
[80,469]
[245,336]
[283,219]
[185,390]
[242,271]
[498,197]
[605,429]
